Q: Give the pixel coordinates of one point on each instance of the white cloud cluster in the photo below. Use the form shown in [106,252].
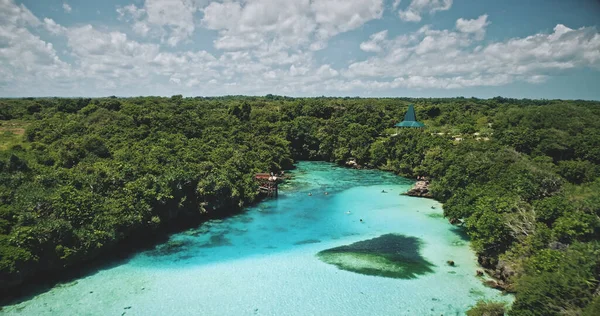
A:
[53,27]
[415,10]
[475,26]
[67,7]
[374,42]
[24,57]
[453,59]
[267,46]
[281,24]
[170,20]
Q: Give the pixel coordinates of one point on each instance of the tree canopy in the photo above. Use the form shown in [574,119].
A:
[90,175]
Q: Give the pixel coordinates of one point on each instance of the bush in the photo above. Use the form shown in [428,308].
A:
[487,308]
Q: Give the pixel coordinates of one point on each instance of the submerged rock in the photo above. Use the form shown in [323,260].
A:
[169,248]
[306,242]
[455,221]
[216,240]
[391,255]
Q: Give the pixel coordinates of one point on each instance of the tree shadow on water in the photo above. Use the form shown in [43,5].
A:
[390,255]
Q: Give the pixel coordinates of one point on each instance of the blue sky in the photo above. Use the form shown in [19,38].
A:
[422,48]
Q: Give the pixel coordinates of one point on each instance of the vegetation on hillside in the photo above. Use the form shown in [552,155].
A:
[522,175]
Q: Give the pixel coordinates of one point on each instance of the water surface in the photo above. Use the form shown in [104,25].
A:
[265,261]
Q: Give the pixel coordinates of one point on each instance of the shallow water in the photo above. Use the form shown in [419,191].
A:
[264,261]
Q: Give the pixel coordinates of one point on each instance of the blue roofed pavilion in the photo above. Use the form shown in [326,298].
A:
[410,119]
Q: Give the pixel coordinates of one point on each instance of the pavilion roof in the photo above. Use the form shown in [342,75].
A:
[410,119]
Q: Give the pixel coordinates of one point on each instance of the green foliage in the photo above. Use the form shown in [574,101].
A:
[87,175]
[577,226]
[593,308]
[558,281]
[487,308]
[548,210]
[578,171]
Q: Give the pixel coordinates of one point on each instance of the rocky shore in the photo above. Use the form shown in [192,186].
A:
[420,189]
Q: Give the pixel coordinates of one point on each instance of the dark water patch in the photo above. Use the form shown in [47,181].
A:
[204,229]
[461,233]
[221,230]
[435,215]
[476,293]
[281,229]
[185,257]
[307,241]
[170,248]
[263,228]
[306,216]
[69,284]
[390,255]
[239,231]
[246,219]
[265,211]
[216,240]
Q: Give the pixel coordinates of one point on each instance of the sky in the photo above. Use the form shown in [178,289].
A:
[370,48]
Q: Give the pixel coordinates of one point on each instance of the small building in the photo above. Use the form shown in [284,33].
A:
[410,119]
[268,183]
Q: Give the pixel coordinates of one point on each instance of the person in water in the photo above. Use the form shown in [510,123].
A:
[348,212]
[326,193]
[361,220]
[309,193]
[383,191]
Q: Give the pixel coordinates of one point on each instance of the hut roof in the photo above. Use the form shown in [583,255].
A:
[410,119]
[410,124]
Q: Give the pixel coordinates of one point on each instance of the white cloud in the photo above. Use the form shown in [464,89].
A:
[415,10]
[409,16]
[298,71]
[170,20]
[475,26]
[12,14]
[325,71]
[338,16]
[447,59]
[53,27]
[373,44]
[26,61]
[285,24]
[67,7]
[396,4]
[267,47]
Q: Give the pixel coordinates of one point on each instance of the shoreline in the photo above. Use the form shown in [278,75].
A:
[134,244]
[44,280]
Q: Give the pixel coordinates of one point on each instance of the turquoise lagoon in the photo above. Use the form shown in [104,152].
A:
[264,261]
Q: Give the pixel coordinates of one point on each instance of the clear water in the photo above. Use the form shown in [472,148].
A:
[263,262]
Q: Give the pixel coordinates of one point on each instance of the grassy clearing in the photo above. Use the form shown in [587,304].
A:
[11,133]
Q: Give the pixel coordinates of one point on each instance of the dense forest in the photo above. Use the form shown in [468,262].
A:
[521,176]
